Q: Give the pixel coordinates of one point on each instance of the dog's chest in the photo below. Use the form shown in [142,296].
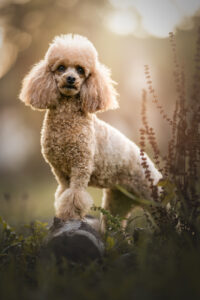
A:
[62,139]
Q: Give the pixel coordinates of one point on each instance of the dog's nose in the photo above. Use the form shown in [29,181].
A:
[71,79]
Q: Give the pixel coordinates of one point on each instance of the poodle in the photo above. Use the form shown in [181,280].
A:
[72,86]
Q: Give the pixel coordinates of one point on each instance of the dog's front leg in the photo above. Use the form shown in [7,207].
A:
[75,201]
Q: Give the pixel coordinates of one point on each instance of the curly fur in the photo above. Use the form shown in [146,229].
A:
[73,203]
[81,149]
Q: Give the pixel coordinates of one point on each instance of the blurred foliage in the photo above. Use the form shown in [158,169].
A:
[151,266]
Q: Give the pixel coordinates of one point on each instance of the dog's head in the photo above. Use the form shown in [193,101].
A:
[71,60]
[70,68]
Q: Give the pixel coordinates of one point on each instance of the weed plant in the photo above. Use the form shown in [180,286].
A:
[181,165]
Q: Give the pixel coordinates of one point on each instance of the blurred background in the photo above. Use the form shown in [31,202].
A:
[127,34]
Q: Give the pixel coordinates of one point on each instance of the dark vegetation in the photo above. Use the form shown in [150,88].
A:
[160,260]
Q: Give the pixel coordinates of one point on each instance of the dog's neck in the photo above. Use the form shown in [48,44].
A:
[68,109]
[69,104]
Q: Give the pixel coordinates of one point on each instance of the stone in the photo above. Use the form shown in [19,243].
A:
[76,240]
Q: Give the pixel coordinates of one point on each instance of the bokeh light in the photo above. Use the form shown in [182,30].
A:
[155,17]
[122,22]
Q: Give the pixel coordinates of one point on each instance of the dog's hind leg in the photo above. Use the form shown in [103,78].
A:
[117,204]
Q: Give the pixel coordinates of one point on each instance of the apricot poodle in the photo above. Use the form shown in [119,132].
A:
[72,85]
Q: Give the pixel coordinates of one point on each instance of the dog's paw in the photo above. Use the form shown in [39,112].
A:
[73,204]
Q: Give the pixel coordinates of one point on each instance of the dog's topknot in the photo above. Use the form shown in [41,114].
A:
[73,41]
[75,48]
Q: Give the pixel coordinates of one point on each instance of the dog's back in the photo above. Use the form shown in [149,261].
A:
[117,160]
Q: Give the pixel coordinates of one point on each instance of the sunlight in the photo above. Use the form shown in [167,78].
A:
[122,22]
[155,17]
[158,17]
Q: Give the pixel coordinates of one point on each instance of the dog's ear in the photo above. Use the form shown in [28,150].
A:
[98,92]
[39,88]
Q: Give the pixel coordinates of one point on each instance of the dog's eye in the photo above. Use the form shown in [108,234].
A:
[61,68]
[80,70]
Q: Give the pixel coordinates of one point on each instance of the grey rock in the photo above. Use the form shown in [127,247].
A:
[75,240]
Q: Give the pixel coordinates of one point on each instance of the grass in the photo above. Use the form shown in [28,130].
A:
[147,267]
